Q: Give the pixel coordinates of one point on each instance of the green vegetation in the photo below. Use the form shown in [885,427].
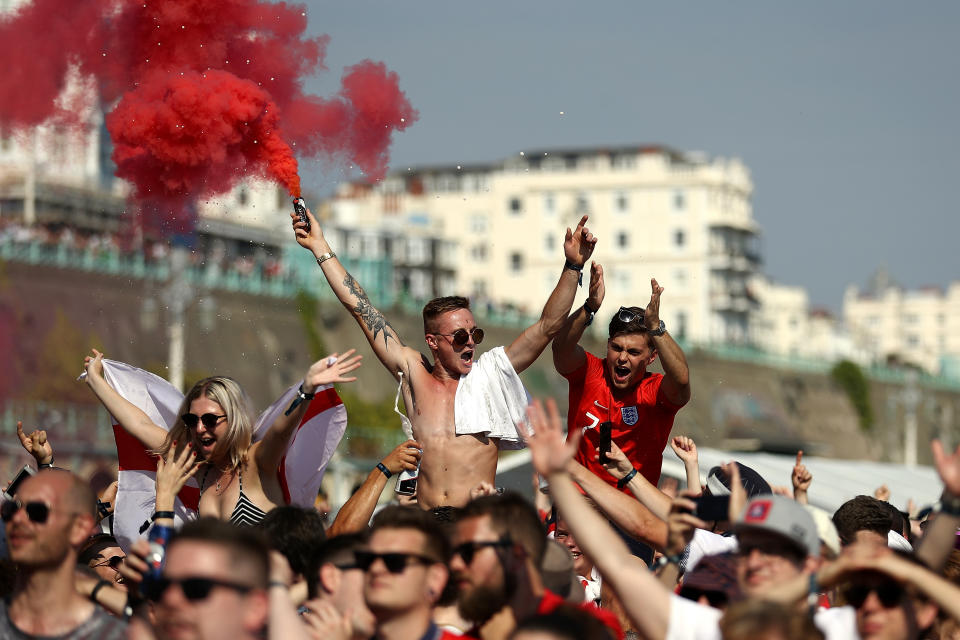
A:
[851,379]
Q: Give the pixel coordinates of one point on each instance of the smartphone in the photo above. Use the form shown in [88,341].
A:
[300,208]
[605,428]
[711,508]
[22,475]
[407,482]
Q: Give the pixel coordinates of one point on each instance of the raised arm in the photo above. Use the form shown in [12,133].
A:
[940,536]
[676,373]
[577,248]
[130,417]
[381,335]
[334,368]
[649,495]
[356,512]
[645,600]
[801,479]
[36,444]
[686,450]
[568,355]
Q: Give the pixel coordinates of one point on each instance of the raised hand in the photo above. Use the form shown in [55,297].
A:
[405,455]
[481,490]
[681,523]
[801,479]
[738,495]
[597,287]
[617,464]
[36,444]
[93,365]
[324,622]
[948,466]
[685,448]
[313,239]
[651,316]
[173,471]
[332,369]
[549,449]
[882,493]
[578,244]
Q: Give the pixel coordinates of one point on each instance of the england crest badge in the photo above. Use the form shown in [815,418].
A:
[629,415]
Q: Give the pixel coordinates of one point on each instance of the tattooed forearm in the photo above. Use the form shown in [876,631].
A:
[368,314]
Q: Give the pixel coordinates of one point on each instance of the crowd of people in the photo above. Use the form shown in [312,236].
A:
[603,552]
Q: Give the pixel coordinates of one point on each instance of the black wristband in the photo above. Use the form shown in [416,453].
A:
[162,514]
[950,504]
[575,267]
[100,585]
[625,480]
[384,469]
[45,465]
[103,508]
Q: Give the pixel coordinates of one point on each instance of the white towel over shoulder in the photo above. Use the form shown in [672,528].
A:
[491,400]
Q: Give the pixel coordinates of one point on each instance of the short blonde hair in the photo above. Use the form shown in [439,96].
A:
[236,406]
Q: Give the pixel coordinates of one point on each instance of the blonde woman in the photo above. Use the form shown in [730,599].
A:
[213,439]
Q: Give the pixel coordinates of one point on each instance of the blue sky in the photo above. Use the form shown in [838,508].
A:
[844,112]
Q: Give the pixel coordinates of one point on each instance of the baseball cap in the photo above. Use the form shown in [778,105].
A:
[777,514]
[719,484]
[716,573]
[826,530]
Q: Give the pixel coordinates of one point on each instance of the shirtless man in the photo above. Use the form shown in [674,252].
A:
[451,465]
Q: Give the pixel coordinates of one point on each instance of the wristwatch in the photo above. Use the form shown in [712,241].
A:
[659,331]
[590,312]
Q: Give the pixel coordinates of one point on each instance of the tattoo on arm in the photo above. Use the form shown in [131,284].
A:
[369,315]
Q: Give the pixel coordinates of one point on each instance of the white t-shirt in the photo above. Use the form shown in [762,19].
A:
[692,621]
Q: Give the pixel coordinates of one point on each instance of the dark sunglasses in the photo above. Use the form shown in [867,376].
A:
[890,594]
[467,550]
[771,548]
[394,562]
[716,599]
[194,589]
[626,316]
[37,511]
[209,420]
[460,336]
[113,562]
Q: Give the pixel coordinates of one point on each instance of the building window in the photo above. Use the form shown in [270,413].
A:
[679,201]
[582,203]
[912,318]
[680,277]
[478,252]
[679,238]
[548,242]
[549,204]
[478,223]
[913,340]
[516,262]
[622,203]
[681,324]
[623,239]
[516,206]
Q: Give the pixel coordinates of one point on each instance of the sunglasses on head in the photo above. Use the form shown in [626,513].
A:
[194,589]
[209,420]
[37,511]
[113,562]
[890,594]
[626,316]
[467,550]
[394,562]
[461,336]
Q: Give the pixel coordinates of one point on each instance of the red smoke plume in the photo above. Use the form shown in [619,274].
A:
[209,90]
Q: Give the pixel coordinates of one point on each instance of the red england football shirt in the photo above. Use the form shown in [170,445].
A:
[641,416]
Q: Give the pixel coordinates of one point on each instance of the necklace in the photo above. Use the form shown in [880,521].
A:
[220,489]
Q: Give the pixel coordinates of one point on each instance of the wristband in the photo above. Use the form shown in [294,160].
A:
[383,468]
[575,267]
[277,583]
[45,465]
[950,504]
[100,585]
[663,561]
[103,508]
[326,256]
[301,396]
[625,480]
[161,514]
[813,593]
[590,313]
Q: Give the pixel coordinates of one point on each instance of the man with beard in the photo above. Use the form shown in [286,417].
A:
[52,514]
[639,405]
[458,419]
[498,547]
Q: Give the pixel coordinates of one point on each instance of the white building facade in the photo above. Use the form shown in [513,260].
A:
[919,326]
[680,218]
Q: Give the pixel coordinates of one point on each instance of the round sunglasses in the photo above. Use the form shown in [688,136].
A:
[113,562]
[461,336]
[209,420]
